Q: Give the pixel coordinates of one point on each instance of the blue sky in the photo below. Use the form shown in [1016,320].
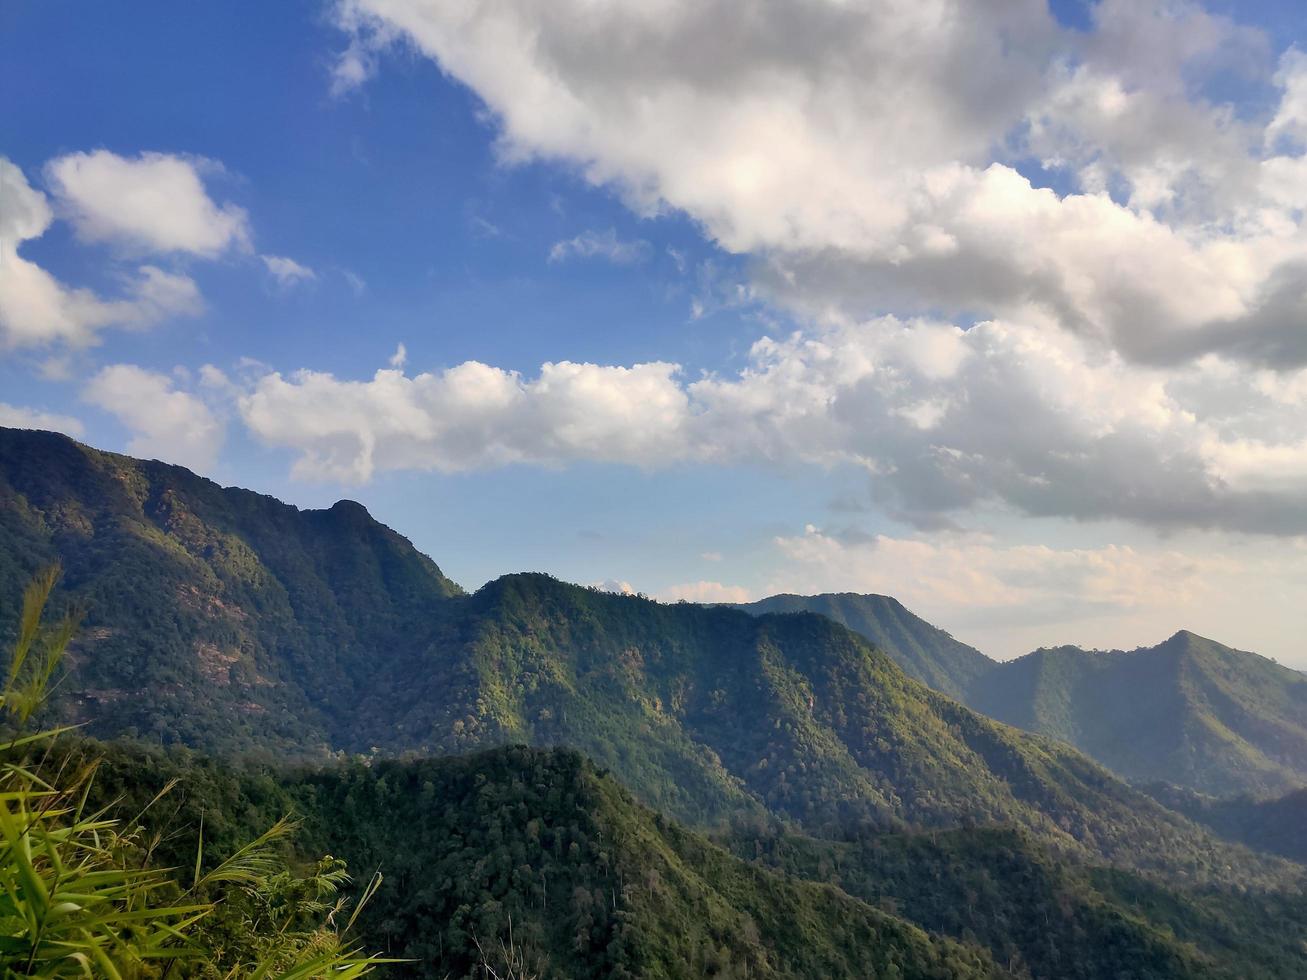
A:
[540,200]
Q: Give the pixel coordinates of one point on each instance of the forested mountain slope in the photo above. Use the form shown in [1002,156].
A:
[595,885]
[213,616]
[1189,710]
[705,712]
[1276,826]
[1044,917]
[540,847]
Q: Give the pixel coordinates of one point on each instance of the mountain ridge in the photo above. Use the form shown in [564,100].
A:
[1189,710]
[225,621]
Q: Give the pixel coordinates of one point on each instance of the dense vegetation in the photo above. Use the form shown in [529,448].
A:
[704,713]
[541,846]
[1189,711]
[925,652]
[213,616]
[592,884]
[1044,917]
[1277,825]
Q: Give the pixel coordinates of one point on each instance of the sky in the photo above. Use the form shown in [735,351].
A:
[996,306]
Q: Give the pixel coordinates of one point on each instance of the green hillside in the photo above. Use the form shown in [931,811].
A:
[1273,825]
[539,846]
[925,652]
[213,616]
[1188,711]
[1042,917]
[594,885]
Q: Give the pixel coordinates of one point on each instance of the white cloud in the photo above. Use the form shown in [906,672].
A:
[355,281]
[155,202]
[711,556]
[865,154]
[1133,344]
[942,421]
[36,309]
[704,592]
[18,417]
[1290,122]
[287,271]
[165,421]
[614,585]
[469,416]
[399,358]
[600,244]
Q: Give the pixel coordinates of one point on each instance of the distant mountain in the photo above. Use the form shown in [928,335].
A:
[1188,711]
[925,652]
[228,621]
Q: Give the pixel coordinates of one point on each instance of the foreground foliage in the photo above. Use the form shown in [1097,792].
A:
[83,894]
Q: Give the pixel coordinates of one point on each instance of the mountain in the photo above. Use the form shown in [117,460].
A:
[224,620]
[925,652]
[543,846]
[213,616]
[1188,711]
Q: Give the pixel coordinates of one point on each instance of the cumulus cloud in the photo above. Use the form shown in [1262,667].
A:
[469,416]
[600,244]
[1118,253]
[1290,122]
[869,156]
[36,309]
[155,202]
[943,422]
[165,420]
[18,417]
[286,271]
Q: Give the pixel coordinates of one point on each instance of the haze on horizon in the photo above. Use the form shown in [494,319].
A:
[999,308]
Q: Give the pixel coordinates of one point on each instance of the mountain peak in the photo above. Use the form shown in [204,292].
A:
[350,508]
